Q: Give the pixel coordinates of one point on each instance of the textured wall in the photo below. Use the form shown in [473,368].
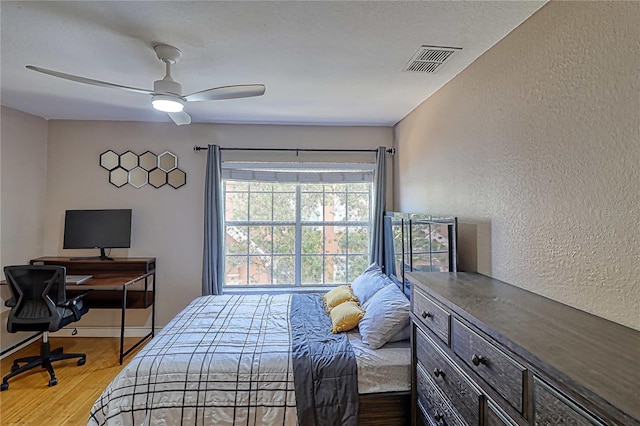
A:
[22,202]
[538,144]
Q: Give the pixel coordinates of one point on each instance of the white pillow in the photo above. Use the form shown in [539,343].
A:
[367,284]
[386,314]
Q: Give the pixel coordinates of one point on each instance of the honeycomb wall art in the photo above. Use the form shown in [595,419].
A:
[144,169]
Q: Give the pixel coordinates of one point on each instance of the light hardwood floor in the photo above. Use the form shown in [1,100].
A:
[30,401]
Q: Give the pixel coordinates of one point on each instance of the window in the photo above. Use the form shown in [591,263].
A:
[293,232]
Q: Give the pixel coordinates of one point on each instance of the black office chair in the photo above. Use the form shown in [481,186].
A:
[39,303]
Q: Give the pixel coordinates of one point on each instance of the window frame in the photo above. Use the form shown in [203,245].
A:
[298,226]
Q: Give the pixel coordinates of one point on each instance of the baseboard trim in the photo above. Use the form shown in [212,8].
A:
[23,344]
[102,332]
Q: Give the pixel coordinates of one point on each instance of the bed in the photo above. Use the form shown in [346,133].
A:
[266,359]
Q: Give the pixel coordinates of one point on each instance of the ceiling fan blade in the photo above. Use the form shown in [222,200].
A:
[227,92]
[180,117]
[90,81]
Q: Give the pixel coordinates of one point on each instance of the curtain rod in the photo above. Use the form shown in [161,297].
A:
[391,151]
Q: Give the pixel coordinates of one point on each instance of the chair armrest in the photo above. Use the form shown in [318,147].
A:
[10,303]
[71,304]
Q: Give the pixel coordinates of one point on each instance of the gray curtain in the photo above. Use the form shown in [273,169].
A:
[213,262]
[379,197]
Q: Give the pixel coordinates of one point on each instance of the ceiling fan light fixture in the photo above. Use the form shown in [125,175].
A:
[167,103]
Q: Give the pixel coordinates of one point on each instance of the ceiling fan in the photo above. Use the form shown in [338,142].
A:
[167,94]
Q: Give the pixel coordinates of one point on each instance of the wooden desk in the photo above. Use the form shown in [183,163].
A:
[123,283]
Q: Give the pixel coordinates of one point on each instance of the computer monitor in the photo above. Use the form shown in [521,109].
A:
[100,229]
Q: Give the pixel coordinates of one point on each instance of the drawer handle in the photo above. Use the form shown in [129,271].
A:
[438,373]
[478,359]
[426,314]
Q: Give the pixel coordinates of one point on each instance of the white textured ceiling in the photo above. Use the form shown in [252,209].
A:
[326,62]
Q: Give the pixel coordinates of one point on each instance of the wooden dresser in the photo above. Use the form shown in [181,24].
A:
[489,353]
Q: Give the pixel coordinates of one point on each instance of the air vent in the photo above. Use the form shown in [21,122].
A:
[429,58]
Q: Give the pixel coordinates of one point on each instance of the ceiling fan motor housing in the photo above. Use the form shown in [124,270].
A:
[167,85]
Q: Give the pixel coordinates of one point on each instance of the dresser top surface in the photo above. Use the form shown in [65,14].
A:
[597,354]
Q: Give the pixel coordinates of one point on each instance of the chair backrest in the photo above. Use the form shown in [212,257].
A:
[36,290]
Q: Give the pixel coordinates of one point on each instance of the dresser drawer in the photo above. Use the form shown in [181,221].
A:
[431,315]
[497,417]
[437,409]
[500,371]
[461,393]
[551,408]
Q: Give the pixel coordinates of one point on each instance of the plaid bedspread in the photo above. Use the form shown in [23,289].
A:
[223,360]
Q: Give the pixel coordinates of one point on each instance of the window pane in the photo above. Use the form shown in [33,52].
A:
[260,206]
[311,187]
[235,185]
[358,239]
[259,270]
[284,207]
[335,208]
[311,208]
[235,270]
[335,269]
[236,206]
[284,187]
[335,187]
[356,266]
[260,239]
[312,239]
[358,207]
[360,187]
[311,270]
[335,239]
[236,239]
[284,239]
[261,186]
[284,270]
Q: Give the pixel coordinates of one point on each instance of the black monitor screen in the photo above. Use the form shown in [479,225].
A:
[97,229]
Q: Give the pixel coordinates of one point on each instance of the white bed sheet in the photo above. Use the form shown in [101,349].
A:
[387,369]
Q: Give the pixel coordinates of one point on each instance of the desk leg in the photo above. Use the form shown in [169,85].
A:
[124,353]
[153,307]
[122,321]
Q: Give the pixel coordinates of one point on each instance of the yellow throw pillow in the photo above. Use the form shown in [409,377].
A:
[345,316]
[337,296]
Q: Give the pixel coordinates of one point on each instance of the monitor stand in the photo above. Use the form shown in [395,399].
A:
[102,256]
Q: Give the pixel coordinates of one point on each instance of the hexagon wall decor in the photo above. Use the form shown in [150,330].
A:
[142,170]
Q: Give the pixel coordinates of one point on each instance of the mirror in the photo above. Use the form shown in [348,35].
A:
[128,160]
[157,178]
[177,178]
[109,160]
[138,177]
[140,170]
[167,161]
[148,161]
[118,177]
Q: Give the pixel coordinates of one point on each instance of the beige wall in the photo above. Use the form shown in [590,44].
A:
[538,144]
[167,223]
[23,168]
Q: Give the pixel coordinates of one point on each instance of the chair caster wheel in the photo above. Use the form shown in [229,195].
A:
[53,382]
[14,368]
[4,386]
[82,361]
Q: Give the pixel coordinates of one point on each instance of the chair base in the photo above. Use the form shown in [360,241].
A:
[44,360]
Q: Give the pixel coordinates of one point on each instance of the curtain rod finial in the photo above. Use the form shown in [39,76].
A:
[391,151]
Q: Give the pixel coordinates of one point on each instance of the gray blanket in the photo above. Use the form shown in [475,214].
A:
[324,367]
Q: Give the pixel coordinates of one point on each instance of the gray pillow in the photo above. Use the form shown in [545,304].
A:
[367,284]
[403,334]
[386,314]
